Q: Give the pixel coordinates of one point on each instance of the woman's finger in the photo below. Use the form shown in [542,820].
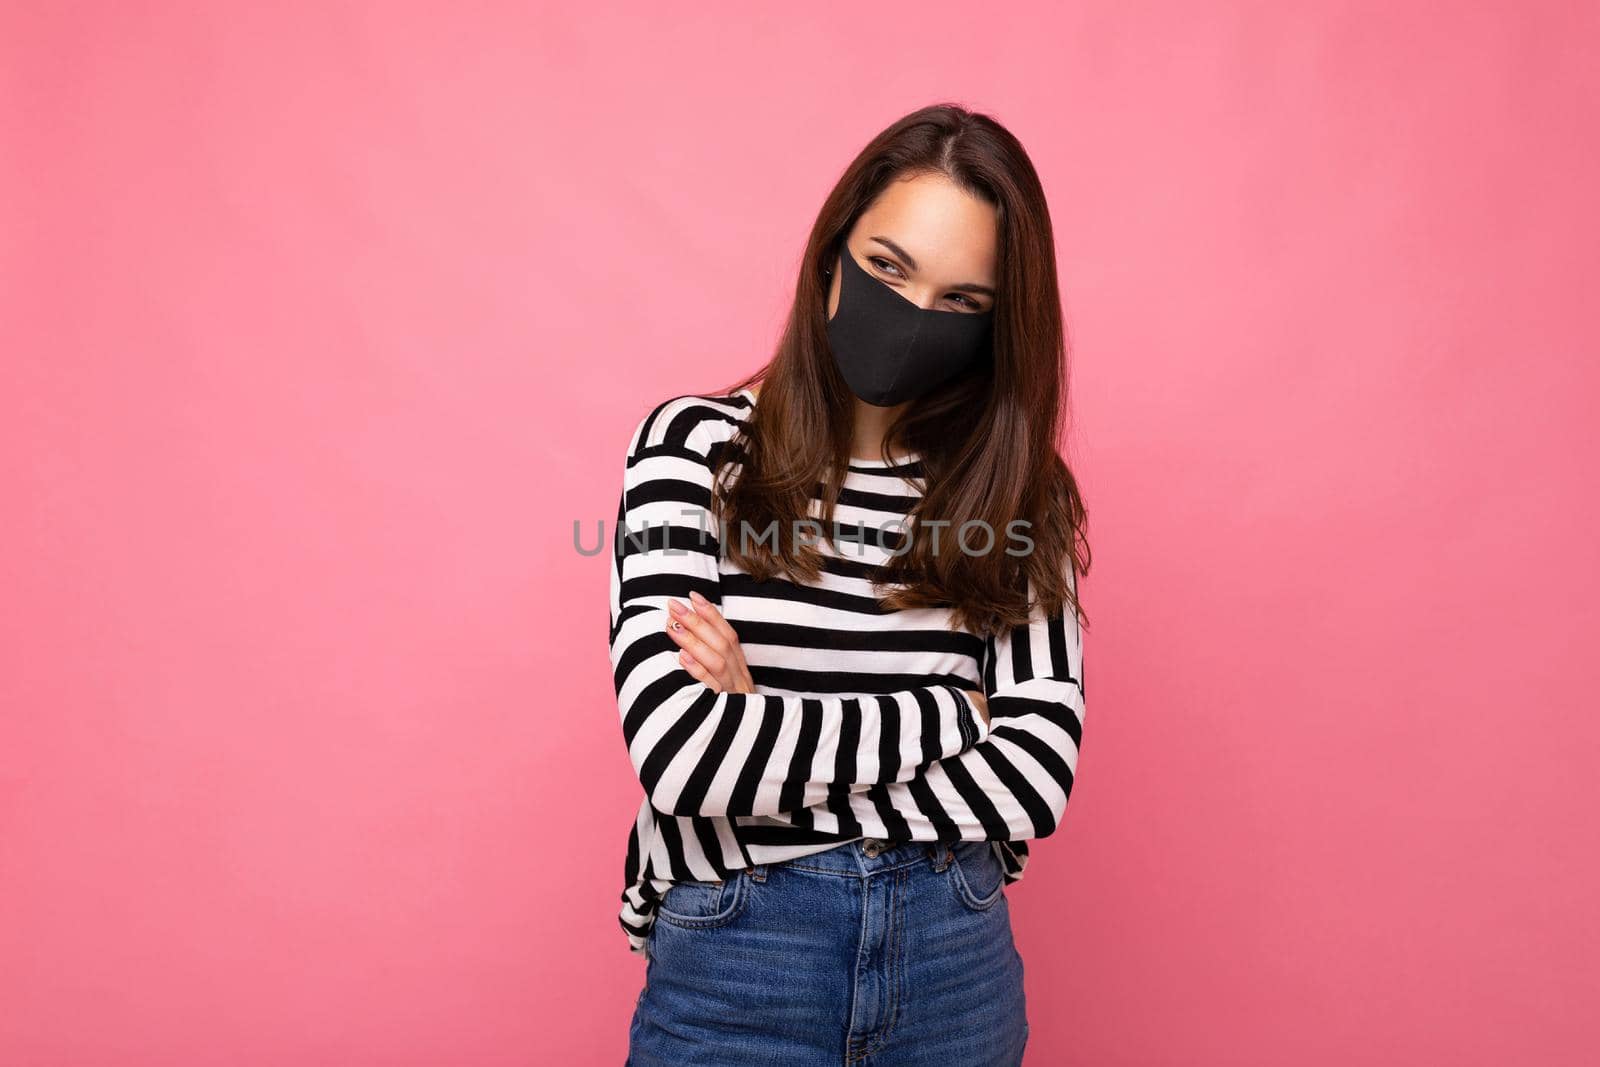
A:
[694,667]
[728,646]
[705,607]
[701,626]
[686,638]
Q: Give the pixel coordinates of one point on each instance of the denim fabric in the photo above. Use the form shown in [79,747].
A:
[843,957]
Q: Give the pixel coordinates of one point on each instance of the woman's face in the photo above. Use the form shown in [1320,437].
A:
[928,240]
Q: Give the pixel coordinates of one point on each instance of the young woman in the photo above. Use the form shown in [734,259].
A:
[846,638]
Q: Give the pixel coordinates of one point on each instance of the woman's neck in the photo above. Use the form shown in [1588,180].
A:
[871,422]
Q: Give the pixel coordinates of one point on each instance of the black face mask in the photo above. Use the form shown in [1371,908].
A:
[889,349]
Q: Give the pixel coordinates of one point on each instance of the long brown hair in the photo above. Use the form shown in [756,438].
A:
[986,439]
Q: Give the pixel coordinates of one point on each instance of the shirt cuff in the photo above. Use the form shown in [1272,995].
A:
[973,726]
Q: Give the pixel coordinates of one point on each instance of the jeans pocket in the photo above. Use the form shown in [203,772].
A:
[703,904]
[976,874]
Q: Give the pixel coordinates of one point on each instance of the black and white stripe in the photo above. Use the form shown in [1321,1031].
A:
[859,728]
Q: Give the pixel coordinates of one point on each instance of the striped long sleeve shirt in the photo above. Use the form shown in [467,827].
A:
[860,725]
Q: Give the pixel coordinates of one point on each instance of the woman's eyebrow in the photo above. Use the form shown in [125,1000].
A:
[964,287]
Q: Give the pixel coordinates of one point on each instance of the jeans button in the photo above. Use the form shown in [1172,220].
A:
[872,846]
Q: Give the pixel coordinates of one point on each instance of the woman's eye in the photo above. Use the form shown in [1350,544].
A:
[883,264]
[969,302]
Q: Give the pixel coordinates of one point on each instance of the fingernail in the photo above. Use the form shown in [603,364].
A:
[697,598]
[675,607]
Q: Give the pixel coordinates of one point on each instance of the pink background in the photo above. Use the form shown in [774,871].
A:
[319,327]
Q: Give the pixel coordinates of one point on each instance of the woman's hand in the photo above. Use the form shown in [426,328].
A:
[710,648]
[980,702]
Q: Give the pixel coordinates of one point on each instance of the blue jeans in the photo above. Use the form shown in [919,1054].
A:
[870,954]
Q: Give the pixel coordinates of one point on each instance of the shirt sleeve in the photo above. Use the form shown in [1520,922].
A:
[1014,784]
[1011,786]
[700,752]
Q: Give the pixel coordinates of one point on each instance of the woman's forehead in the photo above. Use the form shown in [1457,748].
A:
[947,231]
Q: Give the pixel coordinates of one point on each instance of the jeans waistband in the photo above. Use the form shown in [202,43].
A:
[868,855]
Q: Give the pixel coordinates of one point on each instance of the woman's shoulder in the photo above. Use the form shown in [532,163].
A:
[691,420]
